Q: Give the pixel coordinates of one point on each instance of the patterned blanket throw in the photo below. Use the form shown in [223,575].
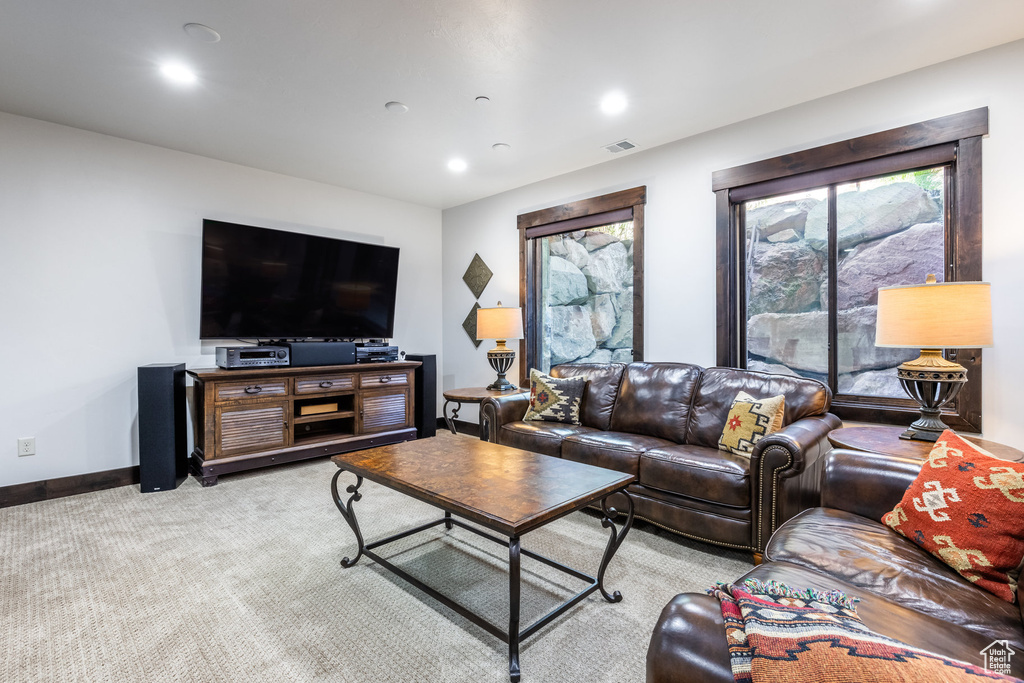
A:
[778,634]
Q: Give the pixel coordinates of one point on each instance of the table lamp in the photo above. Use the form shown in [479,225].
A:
[933,316]
[500,324]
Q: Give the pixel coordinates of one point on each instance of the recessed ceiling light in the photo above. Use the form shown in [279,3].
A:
[202,33]
[396,107]
[501,147]
[178,73]
[457,165]
[614,103]
[483,99]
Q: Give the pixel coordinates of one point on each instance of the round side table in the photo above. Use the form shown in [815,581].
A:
[886,440]
[470,395]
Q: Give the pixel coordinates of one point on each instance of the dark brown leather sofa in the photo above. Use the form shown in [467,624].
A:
[662,421]
[904,592]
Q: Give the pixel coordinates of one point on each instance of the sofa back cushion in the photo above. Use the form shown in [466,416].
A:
[602,387]
[719,386]
[654,400]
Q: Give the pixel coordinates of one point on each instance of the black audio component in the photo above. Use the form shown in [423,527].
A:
[310,353]
[425,394]
[376,354]
[163,451]
[229,357]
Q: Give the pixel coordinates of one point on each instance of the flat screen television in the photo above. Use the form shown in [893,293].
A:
[259,283]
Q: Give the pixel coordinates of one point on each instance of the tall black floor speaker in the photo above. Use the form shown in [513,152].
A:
[163,450]
[425,394]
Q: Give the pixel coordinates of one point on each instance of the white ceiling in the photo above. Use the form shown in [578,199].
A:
[299,86]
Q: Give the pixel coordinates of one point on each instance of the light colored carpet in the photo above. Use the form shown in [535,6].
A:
[241,582]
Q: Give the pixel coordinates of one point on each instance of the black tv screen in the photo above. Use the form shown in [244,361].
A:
[259,283]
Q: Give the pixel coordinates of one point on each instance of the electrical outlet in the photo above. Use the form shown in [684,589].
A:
[27,446]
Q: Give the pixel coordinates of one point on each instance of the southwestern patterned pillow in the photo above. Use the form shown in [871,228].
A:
[749,420]
[555,399]
[967,509]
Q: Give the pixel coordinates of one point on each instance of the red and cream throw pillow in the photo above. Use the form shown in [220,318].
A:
[966,508]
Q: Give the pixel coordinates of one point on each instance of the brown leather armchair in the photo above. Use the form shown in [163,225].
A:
[904,592]
[662,421]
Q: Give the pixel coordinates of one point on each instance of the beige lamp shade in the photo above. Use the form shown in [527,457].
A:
[499,323]
[947,315]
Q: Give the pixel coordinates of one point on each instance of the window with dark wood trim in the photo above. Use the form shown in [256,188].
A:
[617,207]
[951,142]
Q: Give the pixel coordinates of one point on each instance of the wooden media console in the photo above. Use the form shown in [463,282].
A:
[264,416]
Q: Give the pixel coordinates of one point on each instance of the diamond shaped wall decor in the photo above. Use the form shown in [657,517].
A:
[477,276]
[469,324]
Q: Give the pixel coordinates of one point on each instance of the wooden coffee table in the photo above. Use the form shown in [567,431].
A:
[504,490]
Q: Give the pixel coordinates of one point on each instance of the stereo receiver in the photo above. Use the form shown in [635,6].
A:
[230,357]
[366,353]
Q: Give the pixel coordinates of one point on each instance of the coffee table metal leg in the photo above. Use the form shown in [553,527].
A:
[450,421]
[448,520]
[350,516]
[513,609]
[614,541]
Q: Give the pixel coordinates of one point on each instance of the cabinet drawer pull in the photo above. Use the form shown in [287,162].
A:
[385,379]
[326,384]
[255,389]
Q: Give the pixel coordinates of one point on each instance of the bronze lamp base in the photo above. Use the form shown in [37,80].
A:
[500,358]
[933,382]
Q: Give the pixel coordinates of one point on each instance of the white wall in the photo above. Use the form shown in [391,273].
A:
[99,273]
[679,313]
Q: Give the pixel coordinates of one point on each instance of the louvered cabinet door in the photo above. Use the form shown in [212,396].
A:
[252,427]
[380,411]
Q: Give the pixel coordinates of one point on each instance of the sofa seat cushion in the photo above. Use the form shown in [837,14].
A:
[613,450]
[539,437]
[892,617]
[873,557]
[698,472]
[696,519]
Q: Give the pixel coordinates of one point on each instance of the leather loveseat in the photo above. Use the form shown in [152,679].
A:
[662,422]
[905,593]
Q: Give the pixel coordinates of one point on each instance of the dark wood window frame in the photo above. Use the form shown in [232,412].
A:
[953,140]
[617,207]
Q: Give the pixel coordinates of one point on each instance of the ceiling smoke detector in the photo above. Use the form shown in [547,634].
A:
[620,146]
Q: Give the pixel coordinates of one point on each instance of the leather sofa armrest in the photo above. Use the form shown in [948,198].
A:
[498,410]
[688,644]
[866,484]
[784,473]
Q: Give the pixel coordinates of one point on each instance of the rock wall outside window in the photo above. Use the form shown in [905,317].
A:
[587,295]
[890,234]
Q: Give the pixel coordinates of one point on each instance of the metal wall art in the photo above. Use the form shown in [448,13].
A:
[469,324]
[477,276]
